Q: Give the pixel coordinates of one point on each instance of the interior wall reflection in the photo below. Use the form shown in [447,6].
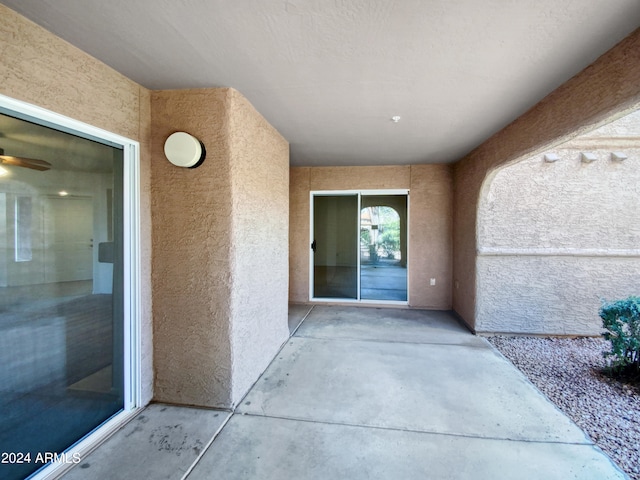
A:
[61,289]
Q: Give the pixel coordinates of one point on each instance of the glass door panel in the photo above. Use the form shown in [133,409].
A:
[61,290]
[383,247]
[334,245]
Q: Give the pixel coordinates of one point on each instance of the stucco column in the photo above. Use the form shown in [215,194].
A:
[220,242]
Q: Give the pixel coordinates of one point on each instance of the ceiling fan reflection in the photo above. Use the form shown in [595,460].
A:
[32,163]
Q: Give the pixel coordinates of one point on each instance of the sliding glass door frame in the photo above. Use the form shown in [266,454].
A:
[131,247]
[359,194]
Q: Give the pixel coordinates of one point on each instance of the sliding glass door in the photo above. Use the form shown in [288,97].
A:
[359,246]
[62,328]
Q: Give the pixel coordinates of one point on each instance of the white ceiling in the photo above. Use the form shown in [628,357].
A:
[330,74]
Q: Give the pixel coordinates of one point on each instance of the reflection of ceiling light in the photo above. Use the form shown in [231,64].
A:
[395,118]
[63,193]
[3,171]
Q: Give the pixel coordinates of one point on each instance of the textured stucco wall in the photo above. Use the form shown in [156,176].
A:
[430,212]
[220,239]
[192,221]
[299,243]
[259,177]
[430,252]
[605,89]
[563,205]
[146,293]
[556,238]
[44,70]
[550,294]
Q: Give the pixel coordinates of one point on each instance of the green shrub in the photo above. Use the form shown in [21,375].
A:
[621,319]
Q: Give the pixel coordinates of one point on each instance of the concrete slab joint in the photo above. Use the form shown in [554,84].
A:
[365,393]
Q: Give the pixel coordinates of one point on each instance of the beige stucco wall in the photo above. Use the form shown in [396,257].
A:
[41,69]
[430,223]
[191,211]
[260,243]
[430,213]
[220,241]
[299,243]
[556,238]
[606,89]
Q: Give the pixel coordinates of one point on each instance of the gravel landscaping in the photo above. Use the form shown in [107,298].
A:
[567,371]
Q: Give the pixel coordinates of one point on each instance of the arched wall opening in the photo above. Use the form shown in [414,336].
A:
[606,90]
[558,232]
[399,206]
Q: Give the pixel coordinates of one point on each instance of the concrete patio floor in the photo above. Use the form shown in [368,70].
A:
[364,393]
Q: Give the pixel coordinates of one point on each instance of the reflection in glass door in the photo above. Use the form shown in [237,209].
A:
[335,239]
[359,246]
[383,247]
[61,290]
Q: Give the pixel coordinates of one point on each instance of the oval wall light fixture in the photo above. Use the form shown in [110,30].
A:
[184,150]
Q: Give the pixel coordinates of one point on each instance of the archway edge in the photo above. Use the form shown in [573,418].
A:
[399,205]
[604,91]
